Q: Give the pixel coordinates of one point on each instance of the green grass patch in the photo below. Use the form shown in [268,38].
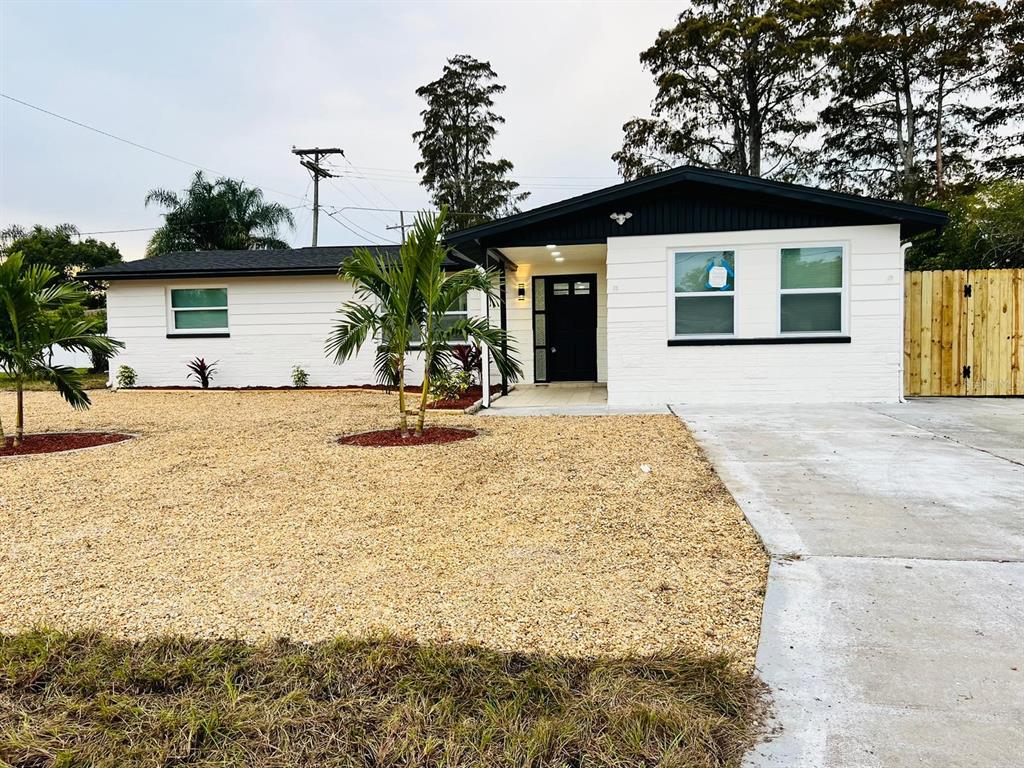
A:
[87,700]
[91,381]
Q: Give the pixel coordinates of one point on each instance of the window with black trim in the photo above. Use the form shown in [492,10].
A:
[703,291]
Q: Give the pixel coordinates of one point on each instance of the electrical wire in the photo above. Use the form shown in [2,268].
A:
[373,239]
[137,144]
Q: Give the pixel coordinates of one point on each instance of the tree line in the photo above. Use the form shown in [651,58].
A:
[920,101]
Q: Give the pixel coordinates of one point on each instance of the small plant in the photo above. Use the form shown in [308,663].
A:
[299,376]
[202,371]
[126,377]
[450,385]
[469,357]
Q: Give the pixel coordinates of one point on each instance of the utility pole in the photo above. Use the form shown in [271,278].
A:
[317,172]
[401,225]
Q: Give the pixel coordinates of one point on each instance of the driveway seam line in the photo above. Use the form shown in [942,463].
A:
[947,437]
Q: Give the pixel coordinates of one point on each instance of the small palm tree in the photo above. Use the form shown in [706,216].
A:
[38,312]
[442,292]
[400,300]
[386,309]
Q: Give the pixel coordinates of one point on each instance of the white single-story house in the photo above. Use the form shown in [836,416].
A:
[691,285]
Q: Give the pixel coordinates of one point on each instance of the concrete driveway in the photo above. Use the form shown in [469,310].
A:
[893,631]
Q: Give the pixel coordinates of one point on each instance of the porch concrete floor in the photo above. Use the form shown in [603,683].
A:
[556,395]
[570,398]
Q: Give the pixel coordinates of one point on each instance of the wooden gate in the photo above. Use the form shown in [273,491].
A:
[963,332]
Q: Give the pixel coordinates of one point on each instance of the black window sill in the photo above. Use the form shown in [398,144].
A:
[198,335]
[765,340]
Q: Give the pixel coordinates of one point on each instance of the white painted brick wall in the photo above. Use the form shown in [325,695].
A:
[275,323]
[643,369]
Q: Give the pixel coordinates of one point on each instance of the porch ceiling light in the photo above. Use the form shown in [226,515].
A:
[559,258]
[550,246]
[556,253]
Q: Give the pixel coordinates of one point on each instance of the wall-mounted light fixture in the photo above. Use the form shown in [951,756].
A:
[620,218]
[521,292]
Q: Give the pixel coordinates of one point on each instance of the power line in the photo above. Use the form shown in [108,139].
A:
[152,229]
[373,239]
[381,192]
[137,144]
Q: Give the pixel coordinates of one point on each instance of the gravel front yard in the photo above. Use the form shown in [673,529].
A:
[236,514]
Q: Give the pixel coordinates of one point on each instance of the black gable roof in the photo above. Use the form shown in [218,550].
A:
[689,199]
[323,260]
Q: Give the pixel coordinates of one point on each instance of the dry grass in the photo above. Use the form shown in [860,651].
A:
[88,701]
[91,381]
[235,514]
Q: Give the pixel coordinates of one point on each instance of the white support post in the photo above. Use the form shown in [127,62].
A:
[485,357]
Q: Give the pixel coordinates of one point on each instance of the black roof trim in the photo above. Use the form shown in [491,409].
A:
[289,262]
[887,209]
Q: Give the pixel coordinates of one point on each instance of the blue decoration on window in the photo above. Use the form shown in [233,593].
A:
[728,270]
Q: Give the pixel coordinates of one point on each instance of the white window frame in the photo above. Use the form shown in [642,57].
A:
[673,294]
[843,290]
[451,313]
[173,331]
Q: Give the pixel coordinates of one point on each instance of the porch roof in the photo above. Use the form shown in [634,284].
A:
[685,200]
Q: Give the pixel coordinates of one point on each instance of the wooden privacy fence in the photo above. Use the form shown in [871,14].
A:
[963,332]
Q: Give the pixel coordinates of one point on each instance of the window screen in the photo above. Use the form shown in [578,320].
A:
[812,290]
[704,285]
[199,309]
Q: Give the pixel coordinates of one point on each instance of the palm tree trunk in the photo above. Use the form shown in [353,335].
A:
[3,437]
[404,419]
[423,402]
[19,416]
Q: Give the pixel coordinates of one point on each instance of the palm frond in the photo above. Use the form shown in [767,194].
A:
[358,321]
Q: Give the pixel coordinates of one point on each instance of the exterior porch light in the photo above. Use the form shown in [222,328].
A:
[559,258]
[556,254]
[549,247]
[521,292]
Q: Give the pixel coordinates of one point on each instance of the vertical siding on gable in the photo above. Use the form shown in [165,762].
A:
[643,369]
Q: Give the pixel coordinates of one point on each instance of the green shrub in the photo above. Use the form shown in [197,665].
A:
[299,376]
[450,385]
[126,377]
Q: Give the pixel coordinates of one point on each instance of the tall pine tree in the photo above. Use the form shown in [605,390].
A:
[906,117]
[459,125]
[733,79]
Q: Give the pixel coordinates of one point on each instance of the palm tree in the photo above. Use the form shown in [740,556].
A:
[442,292]
[398,300]
[38,311]
[225,214]
[386,309]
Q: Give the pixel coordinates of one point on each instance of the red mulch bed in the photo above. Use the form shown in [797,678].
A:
[55,442]
[384,438]
[471,395]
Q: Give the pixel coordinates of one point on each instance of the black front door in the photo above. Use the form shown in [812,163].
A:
[571,318]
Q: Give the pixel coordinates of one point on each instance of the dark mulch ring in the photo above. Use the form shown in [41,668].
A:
[56,442]
[90,700]
[384,438]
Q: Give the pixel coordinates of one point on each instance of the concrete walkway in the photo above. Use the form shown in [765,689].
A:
[893,630]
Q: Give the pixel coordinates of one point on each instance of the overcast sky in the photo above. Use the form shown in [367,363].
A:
[233,86]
